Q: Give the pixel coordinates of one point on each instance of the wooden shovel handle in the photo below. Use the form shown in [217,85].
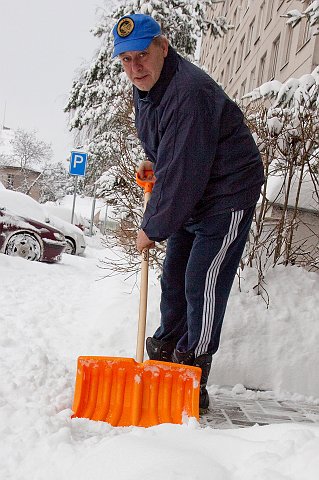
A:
[143,307]
[143,289]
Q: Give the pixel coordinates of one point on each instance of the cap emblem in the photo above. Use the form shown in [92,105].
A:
[125,27]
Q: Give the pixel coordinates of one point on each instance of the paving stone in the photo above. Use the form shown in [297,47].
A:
[314,411]
[313,417]
[302,420]
[243,422]
[288,407]
[228,411]
[273,419]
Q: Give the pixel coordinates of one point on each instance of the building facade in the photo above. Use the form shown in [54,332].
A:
[261,46]
[21,180]
[25,180]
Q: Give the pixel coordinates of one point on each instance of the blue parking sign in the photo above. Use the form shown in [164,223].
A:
[78,163]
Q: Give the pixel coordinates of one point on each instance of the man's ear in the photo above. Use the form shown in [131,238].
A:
[165,46]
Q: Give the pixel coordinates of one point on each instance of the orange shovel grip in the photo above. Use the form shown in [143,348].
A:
[146,184]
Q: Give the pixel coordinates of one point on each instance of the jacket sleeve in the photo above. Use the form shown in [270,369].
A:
[185,157]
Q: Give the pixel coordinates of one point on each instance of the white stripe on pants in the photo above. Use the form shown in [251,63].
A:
[210,284]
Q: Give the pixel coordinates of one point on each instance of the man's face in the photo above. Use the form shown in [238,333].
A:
[143,68]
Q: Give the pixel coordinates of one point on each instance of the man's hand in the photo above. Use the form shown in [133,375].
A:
[142,241]
[145,165]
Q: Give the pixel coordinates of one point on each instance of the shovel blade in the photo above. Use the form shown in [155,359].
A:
[123,392]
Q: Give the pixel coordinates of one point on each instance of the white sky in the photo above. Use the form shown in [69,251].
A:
[42,45]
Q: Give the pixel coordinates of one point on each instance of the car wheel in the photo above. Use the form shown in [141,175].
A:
[24,245]
[70,247]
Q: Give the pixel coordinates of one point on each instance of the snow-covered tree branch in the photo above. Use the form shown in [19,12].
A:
[285,121]
[311,13]
[27,151]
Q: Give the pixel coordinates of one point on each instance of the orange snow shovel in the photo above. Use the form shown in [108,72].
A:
[122,391]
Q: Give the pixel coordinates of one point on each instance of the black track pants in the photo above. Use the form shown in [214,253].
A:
[198,273]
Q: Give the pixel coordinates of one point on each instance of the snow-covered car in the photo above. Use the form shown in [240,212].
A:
[29,239]
[25,206]
[73,235]
[82,214]
[65,214]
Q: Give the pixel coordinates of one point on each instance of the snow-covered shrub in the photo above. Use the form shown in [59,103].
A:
[285,124]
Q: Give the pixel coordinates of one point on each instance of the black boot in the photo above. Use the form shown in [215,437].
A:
[159,349]
[204,362]
[185,358]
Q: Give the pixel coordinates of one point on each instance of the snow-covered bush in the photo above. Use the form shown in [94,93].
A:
[285,122]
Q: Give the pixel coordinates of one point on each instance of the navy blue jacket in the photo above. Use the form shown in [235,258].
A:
[206,160]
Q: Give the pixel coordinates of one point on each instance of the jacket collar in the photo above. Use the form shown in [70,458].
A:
[169,68]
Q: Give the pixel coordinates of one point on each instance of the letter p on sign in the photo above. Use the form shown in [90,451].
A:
[78,163]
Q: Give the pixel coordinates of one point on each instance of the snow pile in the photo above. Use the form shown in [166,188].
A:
[51,314]
[274,348]
[276,193]
[83,205]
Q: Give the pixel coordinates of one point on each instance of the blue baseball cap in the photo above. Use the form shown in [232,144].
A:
[134,32]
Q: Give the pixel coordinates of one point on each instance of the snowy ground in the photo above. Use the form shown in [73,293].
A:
[51,314]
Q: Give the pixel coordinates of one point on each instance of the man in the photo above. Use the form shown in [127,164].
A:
[208,179]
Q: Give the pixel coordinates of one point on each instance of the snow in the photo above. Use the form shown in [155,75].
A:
[51,314]
[276,190]
[22,205]
[83,205]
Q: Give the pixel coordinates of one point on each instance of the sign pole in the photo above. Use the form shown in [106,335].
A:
[105,218]
[77,168]
[74,197]
[93,210]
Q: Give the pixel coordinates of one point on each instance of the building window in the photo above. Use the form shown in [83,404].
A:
[250,37]
[269,11]
[227,74]
[287,45]
[304,32]
[274,58]
[225,43]
[222,77]
[261,72]
[217,52]
[246,6]
[252,80]
[240,11]
[225,9]
[242,88]
[243,8]
[235,19]
[212,62]
[260,23]
[240,53]
[234,60]
[10,181]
